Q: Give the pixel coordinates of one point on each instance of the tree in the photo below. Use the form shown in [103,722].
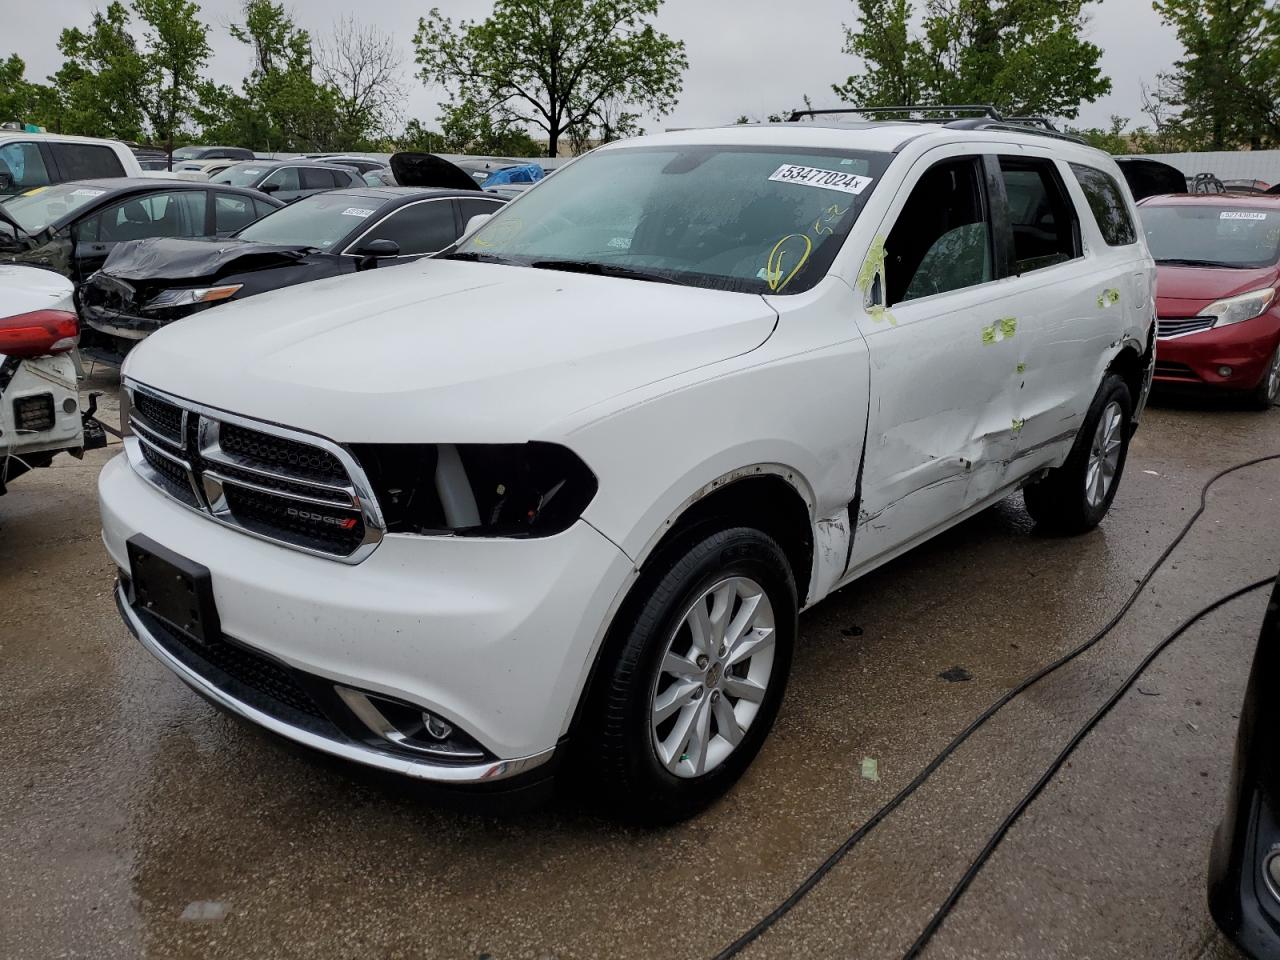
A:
[1225,91]
[1021,56]
[23,101]
[280,105]
[551,64]
[467,129]
[362,65]
[178,51]
[105,80]
[1112,139]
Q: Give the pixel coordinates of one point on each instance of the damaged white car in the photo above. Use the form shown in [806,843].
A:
[39,397]
[557,496]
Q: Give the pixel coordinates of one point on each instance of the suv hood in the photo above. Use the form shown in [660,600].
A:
[1184,291]
[445,351]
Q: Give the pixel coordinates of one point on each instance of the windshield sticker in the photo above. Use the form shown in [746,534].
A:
[1241,215]
[357,212]
[84,192]
[795,245]
[817,177]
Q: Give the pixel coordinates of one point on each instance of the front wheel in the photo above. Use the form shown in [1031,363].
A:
[693,676]
[1267,392]
[1075,497]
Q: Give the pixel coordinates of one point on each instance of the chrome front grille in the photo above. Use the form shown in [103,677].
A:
[1167,328]
[281,485]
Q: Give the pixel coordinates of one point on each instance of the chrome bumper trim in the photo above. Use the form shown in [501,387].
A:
[417,769]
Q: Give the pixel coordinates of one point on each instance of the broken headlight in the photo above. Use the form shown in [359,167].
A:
[191,296]
[477,489]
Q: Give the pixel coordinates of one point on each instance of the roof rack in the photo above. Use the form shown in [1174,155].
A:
[987,118]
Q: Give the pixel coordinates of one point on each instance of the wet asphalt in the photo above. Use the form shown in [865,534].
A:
[136,821]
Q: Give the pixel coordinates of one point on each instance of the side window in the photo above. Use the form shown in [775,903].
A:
[86,161]
[1045,229]
[157,215]
[262,209]
[21,168]
[230,213]
[1106,200]
[314,179]
[419,228]
[473,208]
[942,238]
[286,177]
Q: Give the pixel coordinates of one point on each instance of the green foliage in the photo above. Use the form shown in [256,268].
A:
[1021,56]
[465,128]
[22,100]
[1225,91]
[1113,138]
[104,81]
[178,52]
[554,64]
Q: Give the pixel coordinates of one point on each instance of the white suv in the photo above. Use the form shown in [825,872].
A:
[564,489]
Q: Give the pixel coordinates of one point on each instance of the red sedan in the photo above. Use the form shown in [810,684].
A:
[1218,262]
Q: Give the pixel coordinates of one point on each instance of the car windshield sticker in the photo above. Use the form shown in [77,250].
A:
[357,212]
[251,173]
[1241,215]
[84,192]
[817,177]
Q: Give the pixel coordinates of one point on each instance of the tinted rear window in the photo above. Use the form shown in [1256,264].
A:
[1107,203]
[86,161]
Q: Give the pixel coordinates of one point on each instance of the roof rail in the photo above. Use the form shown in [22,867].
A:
[953,108]
[988,118]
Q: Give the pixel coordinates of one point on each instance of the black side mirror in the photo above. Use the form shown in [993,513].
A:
[270,188]
[378,249]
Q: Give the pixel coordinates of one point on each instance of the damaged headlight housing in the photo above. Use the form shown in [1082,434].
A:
[1235,309]
[191,296]
[477,489]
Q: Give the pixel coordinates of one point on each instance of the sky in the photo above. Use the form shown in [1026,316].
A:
[752,57]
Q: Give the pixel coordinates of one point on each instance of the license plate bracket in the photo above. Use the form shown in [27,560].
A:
[173,589]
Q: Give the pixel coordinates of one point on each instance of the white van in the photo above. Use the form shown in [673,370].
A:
[30,160]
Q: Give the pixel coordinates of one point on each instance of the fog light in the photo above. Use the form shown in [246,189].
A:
[436,728]
[1225,371]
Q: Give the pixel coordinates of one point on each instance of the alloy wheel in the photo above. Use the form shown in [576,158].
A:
[713,677]
[1104,455]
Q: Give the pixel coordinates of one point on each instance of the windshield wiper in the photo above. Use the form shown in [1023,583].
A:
[1185,262]
[472,256]
[597,269]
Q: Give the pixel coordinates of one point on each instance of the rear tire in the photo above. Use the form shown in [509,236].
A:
[692,676]
[1075,497]
[1267,392]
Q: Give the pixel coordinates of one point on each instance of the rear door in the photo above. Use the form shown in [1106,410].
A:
[318,180]
[85,161]
[1069,287]
[944,346]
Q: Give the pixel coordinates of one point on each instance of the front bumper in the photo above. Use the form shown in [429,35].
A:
[494,636]
[1194,360]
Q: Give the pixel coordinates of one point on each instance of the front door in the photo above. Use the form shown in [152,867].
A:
[946,348]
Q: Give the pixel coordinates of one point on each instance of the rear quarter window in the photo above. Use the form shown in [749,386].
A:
[1106,200]
[86,161]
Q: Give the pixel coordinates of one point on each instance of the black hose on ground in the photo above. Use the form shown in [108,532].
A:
[814,878]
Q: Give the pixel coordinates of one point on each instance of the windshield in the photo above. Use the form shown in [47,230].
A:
[38,208]
[750,219]
[1213,235]
[321,220]
[241,174]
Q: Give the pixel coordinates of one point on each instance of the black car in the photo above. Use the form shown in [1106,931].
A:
[1244,867]
[147,285]
[206,152]
[72,228]
[288,180]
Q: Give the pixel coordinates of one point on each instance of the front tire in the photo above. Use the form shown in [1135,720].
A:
[1267,392]
[693,675]
[1075,497]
